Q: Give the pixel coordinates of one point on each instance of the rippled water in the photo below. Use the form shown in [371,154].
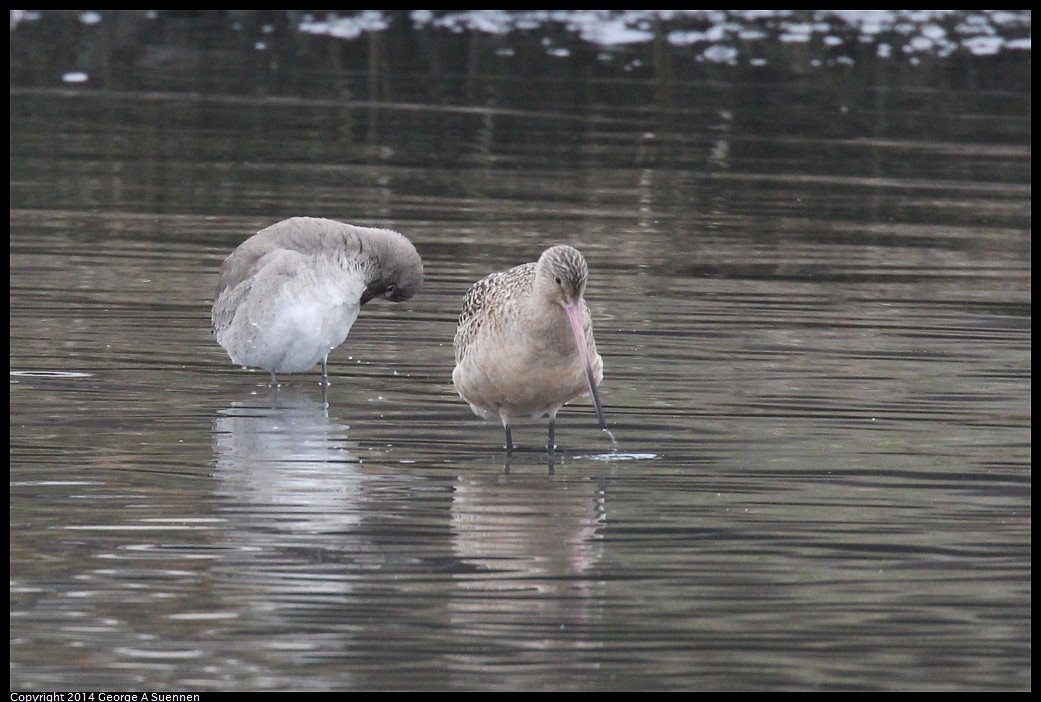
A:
[812,297]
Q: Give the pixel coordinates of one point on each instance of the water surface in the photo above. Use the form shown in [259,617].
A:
[811,290]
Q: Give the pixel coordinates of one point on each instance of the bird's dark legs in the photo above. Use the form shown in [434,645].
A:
[509,449]
[550,445]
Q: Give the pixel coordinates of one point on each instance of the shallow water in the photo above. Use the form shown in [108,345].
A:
[812,296]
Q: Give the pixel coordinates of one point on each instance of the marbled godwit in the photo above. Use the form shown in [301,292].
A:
[524,346]
[289,294]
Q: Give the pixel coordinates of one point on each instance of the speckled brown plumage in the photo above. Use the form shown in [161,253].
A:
[517,345]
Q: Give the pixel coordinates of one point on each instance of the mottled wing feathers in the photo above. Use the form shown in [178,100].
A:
[491,301]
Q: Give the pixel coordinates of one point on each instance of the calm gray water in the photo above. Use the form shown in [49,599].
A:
[810,283]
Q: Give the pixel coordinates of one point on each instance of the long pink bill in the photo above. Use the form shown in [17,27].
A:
[574,317]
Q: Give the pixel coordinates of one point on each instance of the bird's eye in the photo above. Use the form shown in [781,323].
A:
[559,281]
